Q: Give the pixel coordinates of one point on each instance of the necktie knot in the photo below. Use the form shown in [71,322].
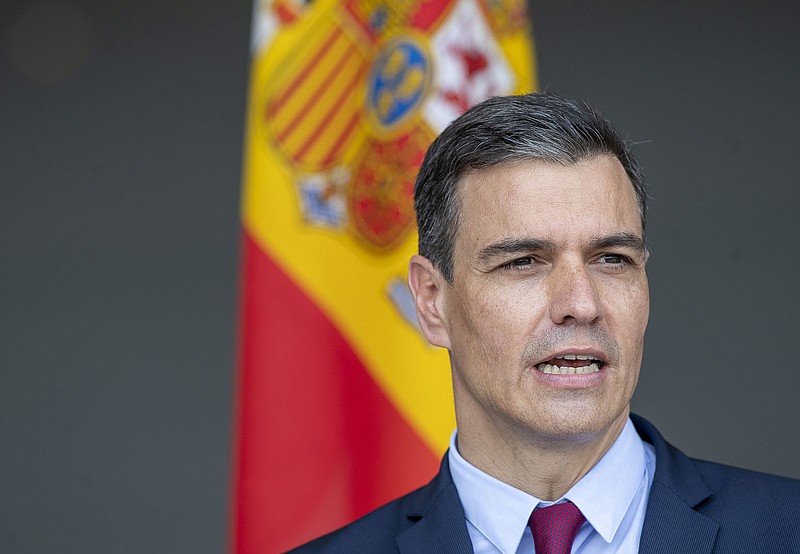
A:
[554,528]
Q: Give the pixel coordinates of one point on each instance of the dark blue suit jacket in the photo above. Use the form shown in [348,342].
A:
[694,507]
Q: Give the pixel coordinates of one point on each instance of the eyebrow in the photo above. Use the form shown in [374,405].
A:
[516,246]
[616,240]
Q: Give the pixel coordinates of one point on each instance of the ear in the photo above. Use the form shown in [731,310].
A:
[427,286]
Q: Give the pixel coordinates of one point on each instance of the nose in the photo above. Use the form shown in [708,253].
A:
[574,295]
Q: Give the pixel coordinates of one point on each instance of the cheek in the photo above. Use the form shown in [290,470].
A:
[492,322]
[628,308]
[642,302]
[511,324]
[635,321]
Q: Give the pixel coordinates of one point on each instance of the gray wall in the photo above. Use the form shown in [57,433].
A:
[120,149]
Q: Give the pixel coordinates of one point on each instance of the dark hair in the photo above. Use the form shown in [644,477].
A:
[538,126]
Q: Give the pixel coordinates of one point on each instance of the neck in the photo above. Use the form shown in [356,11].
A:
[542,466]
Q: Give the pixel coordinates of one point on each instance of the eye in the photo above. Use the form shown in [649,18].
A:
[614,259]
[614,262]
[520,263]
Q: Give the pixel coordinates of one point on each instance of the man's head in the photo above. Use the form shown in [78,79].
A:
[538,126]
[532,272]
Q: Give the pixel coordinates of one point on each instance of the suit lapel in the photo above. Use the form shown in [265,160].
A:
[673,527]
[672,524]
[440,525]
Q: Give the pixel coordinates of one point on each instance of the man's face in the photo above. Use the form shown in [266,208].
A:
[546,314]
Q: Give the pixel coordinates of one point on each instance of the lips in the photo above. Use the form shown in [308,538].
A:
[571,364]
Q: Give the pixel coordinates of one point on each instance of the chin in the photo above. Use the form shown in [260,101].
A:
[579,424]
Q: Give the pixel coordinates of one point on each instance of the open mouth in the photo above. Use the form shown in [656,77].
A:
[570,364]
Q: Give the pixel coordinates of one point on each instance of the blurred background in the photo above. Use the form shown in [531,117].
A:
[121,129]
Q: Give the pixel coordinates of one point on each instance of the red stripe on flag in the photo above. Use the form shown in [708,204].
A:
[318,442]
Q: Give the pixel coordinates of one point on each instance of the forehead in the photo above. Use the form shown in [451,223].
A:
[525,198]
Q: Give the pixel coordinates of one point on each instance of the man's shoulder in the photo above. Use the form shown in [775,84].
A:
[373,532]
[379,530]
[741,510]
[675,468]
[755,511]
[753,487]
[684,473]
[722,474]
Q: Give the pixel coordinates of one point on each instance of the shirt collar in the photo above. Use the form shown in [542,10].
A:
[603,495]
[481,495]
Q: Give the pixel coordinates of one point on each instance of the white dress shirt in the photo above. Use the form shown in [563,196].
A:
[612,496]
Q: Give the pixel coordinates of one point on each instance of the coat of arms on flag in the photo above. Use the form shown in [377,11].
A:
[369,85]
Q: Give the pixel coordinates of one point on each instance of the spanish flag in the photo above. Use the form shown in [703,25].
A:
[341,404]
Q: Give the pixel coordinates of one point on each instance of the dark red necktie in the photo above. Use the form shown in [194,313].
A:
[554,528]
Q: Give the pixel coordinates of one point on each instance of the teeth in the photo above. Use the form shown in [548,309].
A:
[558,370]
[573,357]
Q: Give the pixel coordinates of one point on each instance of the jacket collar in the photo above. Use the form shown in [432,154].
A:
[438,517]
[672,524]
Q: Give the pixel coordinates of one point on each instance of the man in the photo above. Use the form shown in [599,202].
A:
[531,273]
